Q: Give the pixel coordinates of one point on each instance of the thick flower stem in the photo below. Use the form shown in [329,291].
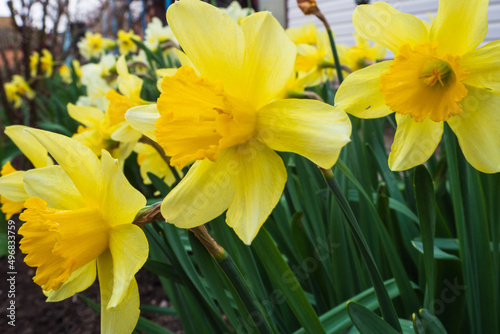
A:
[161,152]
[240,284]
[385,303]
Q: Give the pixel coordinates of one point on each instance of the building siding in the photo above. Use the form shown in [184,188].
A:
[339,15]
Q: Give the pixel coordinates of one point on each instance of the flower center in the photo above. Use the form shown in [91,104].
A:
[59,242]
[198,118]
[423,83]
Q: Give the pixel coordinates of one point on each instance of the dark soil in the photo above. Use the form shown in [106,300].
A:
[71,316]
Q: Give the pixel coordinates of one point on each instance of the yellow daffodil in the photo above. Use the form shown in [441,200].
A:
[237,12]
[78,222]
[65,71]
[228,121]
[98,79]
[150,161]
[16,89]
[437,75]
[93,46]
[314,60]
[130,86]
[46,63]
[361,55]
[12,192]
[156,33]
[305,34]
[125,43]
[96,132]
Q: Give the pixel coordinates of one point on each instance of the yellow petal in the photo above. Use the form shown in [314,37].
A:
[185,61]
[12,187]
[360,93]
[123,317]
[266,69]
[483,66]
[460,25]
[30,147]
[77,160]
[54,186]
[204,193]
[143,119]
[10,208]
[126,133]
[414,142]
[92,138]
[78,281]
[215,44]
[120,202]
[477,129]
[313,129]
[129,249]
[260,179]
[387,26]
[89,116]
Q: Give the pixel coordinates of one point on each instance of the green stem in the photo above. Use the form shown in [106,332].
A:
[338,67]
[385,303]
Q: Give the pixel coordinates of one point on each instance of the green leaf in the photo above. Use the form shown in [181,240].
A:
[147,326]
[439,254]
[158,310]
[426,207]
[285,280]
[431,323]
[366,321]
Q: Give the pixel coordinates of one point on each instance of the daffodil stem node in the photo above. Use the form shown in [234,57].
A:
[209,243]
[149,214]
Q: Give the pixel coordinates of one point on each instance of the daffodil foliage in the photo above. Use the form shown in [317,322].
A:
[273,180]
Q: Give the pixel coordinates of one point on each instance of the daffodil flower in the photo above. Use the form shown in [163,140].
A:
[93,45]
[150,161]
[361,55]
[125,43]
[17,88]
[228,121]
[437,75]
[12,192]
[130,86]
[78,222]
[46,63]
[97,132]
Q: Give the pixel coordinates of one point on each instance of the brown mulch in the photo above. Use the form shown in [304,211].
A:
[71,316]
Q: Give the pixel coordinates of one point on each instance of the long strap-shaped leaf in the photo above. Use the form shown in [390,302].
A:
[281,274]
[386,306]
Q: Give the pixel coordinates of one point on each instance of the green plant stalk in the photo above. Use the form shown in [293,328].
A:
[240,284]
[338,67]
[385,303]
[426,208]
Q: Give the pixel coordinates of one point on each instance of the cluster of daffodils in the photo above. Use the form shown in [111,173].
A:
[220,119]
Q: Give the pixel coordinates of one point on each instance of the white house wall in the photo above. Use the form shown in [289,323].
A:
[339,15]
